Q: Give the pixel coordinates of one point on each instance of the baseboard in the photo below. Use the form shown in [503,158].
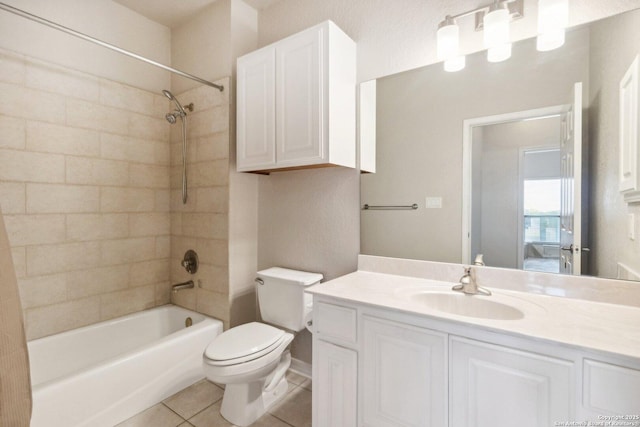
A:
[300,368]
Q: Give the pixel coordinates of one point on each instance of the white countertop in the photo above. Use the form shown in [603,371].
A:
[592,325]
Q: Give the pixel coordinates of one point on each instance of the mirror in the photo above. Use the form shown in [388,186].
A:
[420,117]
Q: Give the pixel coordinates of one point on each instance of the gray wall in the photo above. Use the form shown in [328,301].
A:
[614,45]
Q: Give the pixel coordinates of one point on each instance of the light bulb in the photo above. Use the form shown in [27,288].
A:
[553,18]
[496,27]
[448,39]
[550,40]
[499,53]
[455,64]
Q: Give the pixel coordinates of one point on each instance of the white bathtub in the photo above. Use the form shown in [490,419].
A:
[102,374]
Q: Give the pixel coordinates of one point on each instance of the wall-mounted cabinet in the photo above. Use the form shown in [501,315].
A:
[296,102]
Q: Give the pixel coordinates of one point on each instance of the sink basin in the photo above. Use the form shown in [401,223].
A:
[485,307]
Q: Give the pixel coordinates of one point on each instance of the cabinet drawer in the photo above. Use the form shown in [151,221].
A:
[335,322]
[610,389]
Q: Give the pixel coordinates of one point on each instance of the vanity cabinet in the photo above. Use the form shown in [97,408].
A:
[404,375]
[380,367]
[337,392]
[500,386]
[296,102]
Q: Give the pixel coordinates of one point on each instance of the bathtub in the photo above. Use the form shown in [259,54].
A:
[102,374]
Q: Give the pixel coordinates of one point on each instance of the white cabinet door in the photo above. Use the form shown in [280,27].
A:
[494,386]
[299,92]
[404,375]
[256,136]
[335,371]
[610,389]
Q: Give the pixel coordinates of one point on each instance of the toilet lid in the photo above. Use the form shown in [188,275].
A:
[243,340]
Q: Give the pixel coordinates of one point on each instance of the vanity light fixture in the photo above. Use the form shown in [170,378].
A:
[494,19]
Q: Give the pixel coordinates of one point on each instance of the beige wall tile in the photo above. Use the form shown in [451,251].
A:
[118,199]
[54,198]
[18,101]
[163,201]
[213,251]
[149,224]
[212,173]
[176,200]
[213,278]
[212,199]
[84,170]
[12,198]
[163,247]
[147,272]
[213,304]
[117,304]
[95,281]
[13,133]
[184,298]
[162,153]
[88,115]
[213,147]
[47,259]
[31,167]
[155,128]
[26,230]
[214,226]
[12,68]
[19,256]
[126,97]
[126,251]
[53,138]
[61,81]
[180,245]
[42,290]
[163,293]
[149,176]
[120,147]
[175,148]
[84,227]
[51,319]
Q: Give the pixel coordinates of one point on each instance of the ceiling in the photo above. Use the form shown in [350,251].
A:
[171,13]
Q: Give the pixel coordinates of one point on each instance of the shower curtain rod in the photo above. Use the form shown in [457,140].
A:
[67,30]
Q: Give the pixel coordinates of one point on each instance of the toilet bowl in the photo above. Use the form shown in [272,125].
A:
[252,359]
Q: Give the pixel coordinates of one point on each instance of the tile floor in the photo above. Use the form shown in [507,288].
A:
[199,406]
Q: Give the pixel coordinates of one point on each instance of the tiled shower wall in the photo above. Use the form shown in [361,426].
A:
[202,223]
[85,191]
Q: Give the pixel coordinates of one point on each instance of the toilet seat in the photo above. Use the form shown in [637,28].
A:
[243,343]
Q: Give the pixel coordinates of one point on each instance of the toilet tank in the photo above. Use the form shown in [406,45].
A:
[281,296]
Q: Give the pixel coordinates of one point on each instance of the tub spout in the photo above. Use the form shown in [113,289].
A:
[186,285]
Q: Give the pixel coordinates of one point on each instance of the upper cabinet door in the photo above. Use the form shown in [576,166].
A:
[256,134]
[299,91]
[297,103]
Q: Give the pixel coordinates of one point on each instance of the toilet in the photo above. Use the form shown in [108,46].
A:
[252,359]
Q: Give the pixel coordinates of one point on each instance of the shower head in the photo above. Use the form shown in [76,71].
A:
[171,117]
[173,98]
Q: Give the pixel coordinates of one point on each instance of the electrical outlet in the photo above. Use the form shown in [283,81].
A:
[631,226]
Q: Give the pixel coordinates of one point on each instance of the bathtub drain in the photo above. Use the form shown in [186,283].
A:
[188,322]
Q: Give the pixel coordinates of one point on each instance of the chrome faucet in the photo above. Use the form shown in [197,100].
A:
[468,284]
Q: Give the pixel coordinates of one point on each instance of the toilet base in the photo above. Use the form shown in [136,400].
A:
[242,404]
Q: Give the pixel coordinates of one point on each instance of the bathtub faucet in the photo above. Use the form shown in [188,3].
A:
[186,285]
